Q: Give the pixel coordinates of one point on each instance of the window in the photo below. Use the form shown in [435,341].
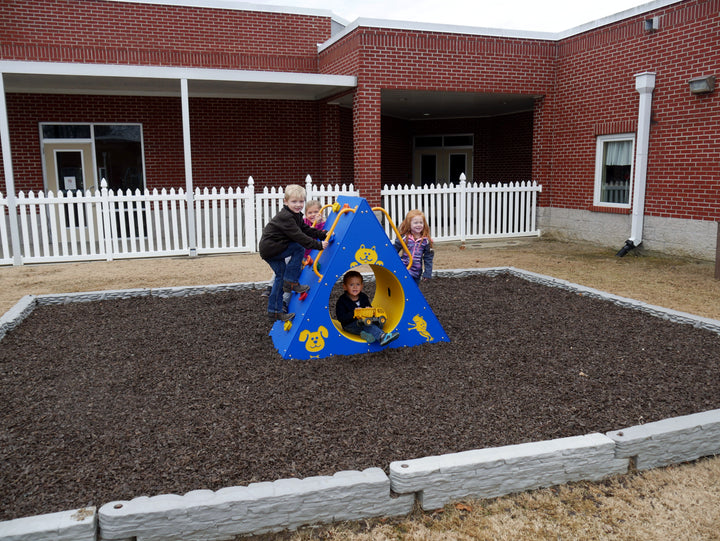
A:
[115,152]
[613,170]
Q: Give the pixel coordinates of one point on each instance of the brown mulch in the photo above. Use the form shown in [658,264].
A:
[111,400]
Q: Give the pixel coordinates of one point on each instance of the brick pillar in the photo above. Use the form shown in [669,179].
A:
[366,142]
[542,151]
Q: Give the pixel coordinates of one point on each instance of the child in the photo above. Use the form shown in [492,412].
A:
[415,231]
[286,236]
[312,213]
[345,311]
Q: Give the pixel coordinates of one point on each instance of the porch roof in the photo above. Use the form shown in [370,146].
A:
[113,79]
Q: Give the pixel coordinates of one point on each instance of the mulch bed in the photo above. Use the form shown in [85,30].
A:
[111,400]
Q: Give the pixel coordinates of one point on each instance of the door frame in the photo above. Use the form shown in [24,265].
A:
[87,151]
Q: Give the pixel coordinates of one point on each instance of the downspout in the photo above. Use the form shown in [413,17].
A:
[9,178]
[644,84]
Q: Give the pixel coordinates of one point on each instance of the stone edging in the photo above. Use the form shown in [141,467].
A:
[350,495]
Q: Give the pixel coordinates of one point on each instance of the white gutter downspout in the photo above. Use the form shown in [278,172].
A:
[9,178]
[644,84]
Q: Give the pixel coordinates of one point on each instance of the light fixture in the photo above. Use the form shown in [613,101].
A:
[652,25]
[702,85]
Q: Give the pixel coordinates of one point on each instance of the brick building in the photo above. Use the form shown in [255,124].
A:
[150,93]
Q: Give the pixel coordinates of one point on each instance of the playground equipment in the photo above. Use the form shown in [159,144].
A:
[357,238]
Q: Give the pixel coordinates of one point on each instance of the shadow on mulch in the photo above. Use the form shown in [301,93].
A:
[112,400]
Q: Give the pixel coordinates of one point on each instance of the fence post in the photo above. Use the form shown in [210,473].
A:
[250,213]
[106,213]
[463,208]
[309,188]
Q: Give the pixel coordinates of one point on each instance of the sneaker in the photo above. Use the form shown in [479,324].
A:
[282,316]
[369,338]
[295,286]
[389,337]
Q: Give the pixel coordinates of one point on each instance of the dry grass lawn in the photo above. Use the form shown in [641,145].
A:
[675,503]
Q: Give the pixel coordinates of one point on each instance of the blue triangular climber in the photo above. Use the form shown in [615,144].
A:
[358,238]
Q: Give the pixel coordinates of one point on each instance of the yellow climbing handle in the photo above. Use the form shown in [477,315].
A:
[399,236]
[320,212]
[329,234]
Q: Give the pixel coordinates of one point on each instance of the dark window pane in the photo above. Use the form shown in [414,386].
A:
[118,153]
[66,131]
[458,140]
[427,141]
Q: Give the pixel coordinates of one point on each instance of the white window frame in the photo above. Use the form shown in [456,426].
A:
[602,140]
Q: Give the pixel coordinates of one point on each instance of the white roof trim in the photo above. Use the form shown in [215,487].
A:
[155,72]
[496,32]
[243,6]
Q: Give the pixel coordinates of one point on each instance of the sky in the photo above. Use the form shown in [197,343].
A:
[532,15]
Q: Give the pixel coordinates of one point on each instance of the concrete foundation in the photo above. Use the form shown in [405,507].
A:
[672,236]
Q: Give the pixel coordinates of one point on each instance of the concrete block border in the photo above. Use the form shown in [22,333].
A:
[496,471]
[351,495]
[257,508]
[75,525]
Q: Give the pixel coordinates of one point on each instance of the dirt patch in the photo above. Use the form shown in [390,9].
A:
[172,395]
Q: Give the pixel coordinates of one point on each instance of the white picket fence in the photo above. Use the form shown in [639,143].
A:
[467,211]
[107,225]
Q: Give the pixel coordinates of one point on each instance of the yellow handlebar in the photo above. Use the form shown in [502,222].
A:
[399,236]
[329,234]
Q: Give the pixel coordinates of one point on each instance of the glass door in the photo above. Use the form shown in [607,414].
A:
[69,171]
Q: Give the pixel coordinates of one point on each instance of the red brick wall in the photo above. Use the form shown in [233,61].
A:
[397,149]
[587,84]
[596,95]
[275,142]
[502,145]
[162,131]
[131,33]
[405,59]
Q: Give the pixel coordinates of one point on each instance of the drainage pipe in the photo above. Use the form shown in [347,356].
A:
[644,84]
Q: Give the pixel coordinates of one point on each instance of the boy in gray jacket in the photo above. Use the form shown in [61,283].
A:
[288,236]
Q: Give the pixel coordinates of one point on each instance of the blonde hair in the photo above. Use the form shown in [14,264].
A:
[294,190]
[312,204]
[405,225]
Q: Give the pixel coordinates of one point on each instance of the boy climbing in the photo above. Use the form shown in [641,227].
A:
[288,236]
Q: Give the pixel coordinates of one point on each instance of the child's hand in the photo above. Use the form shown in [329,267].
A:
[325,244]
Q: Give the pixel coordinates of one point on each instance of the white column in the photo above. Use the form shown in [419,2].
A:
[189,190]
[9,178]
[644,84]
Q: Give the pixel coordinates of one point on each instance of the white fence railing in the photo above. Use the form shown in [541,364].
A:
[468,210]
[107,225]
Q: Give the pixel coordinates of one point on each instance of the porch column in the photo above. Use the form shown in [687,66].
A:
[367,142]
[192,237]
[9,178]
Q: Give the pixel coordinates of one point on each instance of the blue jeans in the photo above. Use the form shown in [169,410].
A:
[356,327]
[289,272]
